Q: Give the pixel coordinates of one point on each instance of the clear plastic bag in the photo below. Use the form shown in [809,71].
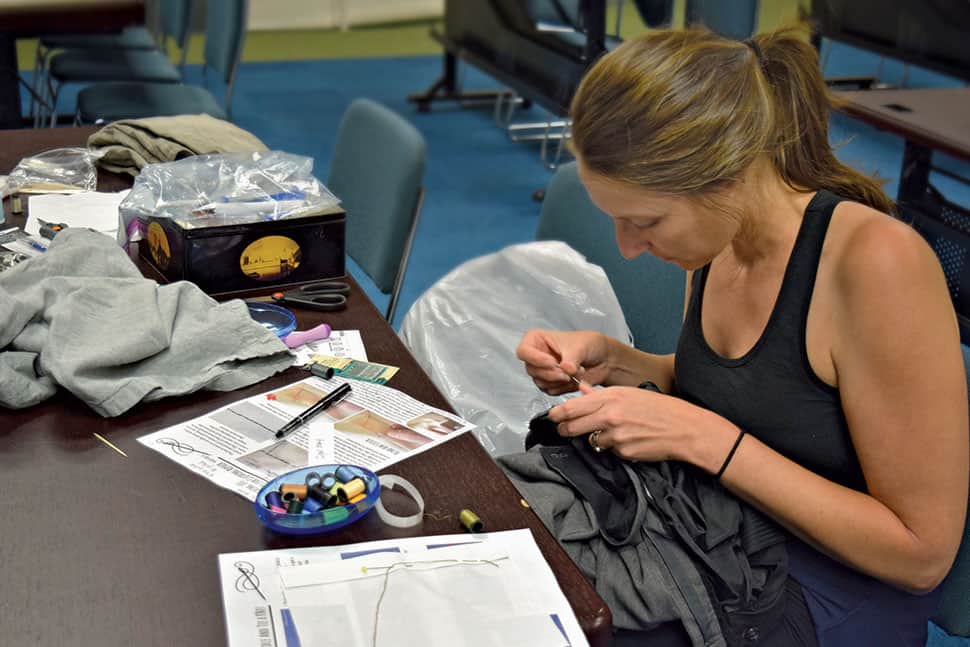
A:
[224,189]
[56,170]
[464,330]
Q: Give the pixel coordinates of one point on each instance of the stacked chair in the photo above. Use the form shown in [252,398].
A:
[131,55]
[132,99]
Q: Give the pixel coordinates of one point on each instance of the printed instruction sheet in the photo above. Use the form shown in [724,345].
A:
[486,590]
[374,426]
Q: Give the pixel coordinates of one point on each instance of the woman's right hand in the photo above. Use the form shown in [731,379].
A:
[552,356]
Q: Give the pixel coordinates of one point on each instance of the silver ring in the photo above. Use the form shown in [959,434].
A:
[594,441]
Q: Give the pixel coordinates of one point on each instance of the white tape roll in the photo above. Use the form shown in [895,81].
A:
[390,481]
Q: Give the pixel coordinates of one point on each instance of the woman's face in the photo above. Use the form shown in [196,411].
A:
[672,228]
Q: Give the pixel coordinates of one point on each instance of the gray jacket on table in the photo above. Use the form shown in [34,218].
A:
[82,316]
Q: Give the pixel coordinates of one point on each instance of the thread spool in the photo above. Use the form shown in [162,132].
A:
[277,509]
[273,499]
[294,506]
[333,515]
[326,372]
[470,521]
[351,488]
[320,494]
[312,478]
[344,474]
[328,480]
[355,499]
[312,506]
[298,490]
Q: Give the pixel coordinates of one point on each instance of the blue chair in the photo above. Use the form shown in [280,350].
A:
[131,55]
[738,19]
[953,615]
[376,170]
[650,292]
[224,36]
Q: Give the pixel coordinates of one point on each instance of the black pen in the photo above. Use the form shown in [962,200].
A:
[325,402]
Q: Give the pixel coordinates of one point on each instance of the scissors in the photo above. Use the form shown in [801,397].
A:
[325,295]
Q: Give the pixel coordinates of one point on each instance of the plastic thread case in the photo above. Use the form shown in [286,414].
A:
[317,499]
[274,318]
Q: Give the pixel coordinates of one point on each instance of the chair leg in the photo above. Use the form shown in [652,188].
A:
[52,92]
[405,255]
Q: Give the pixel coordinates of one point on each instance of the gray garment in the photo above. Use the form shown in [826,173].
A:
[645,579]
[82,316]
[129,144]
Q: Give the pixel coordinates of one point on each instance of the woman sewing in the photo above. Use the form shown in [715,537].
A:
[818,373]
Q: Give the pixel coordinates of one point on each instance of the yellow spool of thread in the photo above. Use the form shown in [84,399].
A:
[351,488]
[470,521]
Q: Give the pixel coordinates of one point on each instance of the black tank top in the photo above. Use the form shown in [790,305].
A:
[772,392]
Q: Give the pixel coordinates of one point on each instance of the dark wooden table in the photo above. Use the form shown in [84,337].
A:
[928,119]
[98,549]
[28,18]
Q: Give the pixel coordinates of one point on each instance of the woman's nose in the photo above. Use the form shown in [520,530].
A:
[630,242]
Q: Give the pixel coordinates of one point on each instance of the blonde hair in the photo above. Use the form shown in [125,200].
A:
[688,111]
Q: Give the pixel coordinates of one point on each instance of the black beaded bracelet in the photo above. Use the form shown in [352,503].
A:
[730,455]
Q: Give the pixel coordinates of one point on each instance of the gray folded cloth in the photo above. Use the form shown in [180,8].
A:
[82,316]
[129,144]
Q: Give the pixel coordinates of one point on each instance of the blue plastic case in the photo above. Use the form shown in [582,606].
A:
[276,319]
[325,520]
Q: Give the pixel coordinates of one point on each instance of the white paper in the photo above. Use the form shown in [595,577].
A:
[345,344]
[235,446]
[90,209]
[486,590]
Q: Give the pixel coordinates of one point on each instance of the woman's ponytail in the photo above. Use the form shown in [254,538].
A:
[801,101]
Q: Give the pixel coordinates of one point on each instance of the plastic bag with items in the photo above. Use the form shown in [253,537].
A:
[57,170]
[223,189]
[465,328]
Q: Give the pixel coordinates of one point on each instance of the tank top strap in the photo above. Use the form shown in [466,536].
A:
[795,295]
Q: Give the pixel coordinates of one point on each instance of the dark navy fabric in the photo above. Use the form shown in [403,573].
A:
[773,393]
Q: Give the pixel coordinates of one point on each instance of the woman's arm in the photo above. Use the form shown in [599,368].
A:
[900,373]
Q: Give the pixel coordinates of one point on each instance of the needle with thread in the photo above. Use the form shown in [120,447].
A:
[573,377]
[109,444]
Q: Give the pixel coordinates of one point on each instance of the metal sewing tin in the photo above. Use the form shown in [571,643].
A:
[237,258]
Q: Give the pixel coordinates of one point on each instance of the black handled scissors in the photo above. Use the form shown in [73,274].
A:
[325,295]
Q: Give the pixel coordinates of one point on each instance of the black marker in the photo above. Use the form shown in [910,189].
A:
[325,402]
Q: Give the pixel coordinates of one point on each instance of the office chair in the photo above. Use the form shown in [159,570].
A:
[650,292]
[94,59]
[173,24]
[376,170]
[224,36]
[953,614]
[736,20]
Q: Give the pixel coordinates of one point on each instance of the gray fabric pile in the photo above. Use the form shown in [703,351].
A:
[129,144]
[82,316]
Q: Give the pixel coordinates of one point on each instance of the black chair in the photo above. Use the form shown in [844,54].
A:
[946,227]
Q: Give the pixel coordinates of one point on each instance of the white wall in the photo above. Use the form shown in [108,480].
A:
[315,14]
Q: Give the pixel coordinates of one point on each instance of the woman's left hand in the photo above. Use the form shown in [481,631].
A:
[642,425]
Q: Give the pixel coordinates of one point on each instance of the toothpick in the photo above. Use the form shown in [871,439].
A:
[109,444]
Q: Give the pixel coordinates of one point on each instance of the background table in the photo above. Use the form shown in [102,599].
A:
[27,18]
[928,119]
[98,549]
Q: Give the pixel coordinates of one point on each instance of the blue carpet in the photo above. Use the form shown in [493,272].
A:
[479,183]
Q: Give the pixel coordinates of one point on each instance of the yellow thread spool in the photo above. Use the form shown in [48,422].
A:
[470,521]
[351,488]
